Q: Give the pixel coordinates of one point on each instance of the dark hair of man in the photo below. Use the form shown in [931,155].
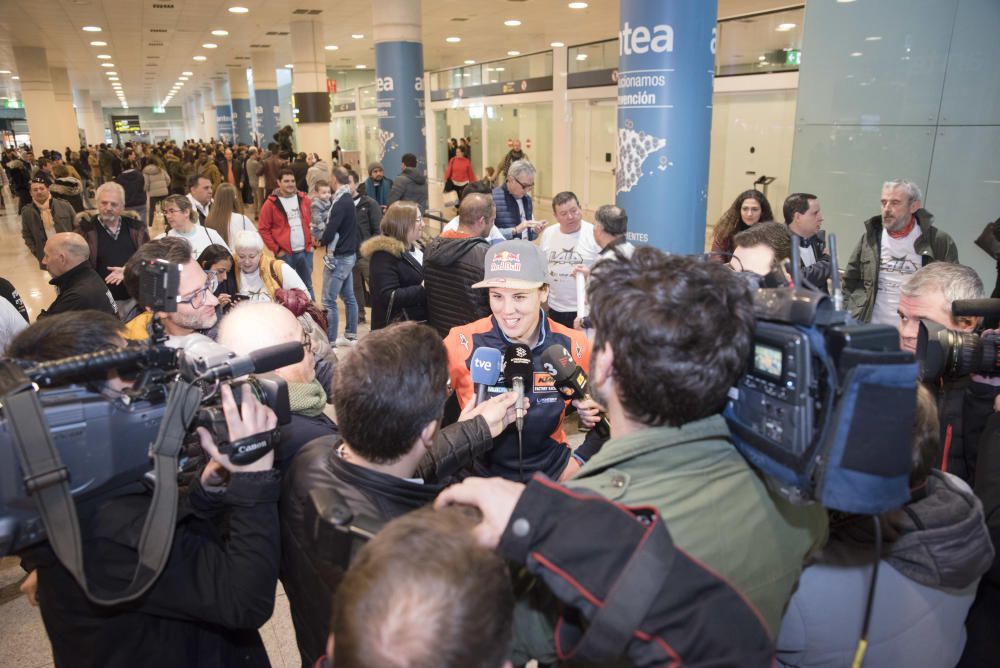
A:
[43,162]
[613,220]
[172,249]
[926,437]
[341,176]
[474,187]
[66,334]
[192,180]
[386,390]
[273,147]
[563,198]
[300,156]
[423,594]
[769,233]
[474,207]
[285,171]
[409,160]
[680,329]
[353,175]
[796,203]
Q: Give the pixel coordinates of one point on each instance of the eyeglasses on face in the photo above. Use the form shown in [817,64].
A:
[526,186]
[199,297]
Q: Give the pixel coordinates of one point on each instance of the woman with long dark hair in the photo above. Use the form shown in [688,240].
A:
[749,208]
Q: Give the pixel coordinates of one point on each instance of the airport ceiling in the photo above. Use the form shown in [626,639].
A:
[151,42]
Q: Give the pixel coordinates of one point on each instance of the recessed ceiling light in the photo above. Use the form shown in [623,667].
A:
[556,44]
[512,23]
[220,33]
[91,29]
[98,43]
[357,35]
[856,54]
[209,45]
[359,67]
[331,47]
[104,56]
[873,38]
[577,5]
[4,71]
[182,78]
[785,27]
[187,74]
[238,10]
[470,62]
[199,58]
[581,56]
[453,40]
[498,69]
[16,78]
[107,64]
[112,78]
[111,73]
[761,57]
[513,53]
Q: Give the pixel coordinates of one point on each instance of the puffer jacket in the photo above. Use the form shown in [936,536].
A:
[157,181]
[396,282]
[411,185]
[927,581]
[861,275]
[69,190]
[452,264]
[509,216]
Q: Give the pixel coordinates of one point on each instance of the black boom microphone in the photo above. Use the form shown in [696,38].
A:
[989,308]
[570,379]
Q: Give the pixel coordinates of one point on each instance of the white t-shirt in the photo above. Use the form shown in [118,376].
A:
[493,237]
[200,238]
[565,251]
[237,223]
[253,285]
[291,207]
[11,323]
[898,262]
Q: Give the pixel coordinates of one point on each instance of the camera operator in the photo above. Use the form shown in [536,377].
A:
[672,335]
[434,576]
[196,307]
[966,402]
[389,394]
[936,548]
[218,584]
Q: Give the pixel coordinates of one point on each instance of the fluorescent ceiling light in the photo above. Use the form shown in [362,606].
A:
[220,33]
[453,40]
[357,35]
[238,10]
[577,5]
[4,71]
[331,47]
[512,23]
[359,67]
[513,53]
[470,62]
[107,64]
[91,29]
[289,66]
[556,44]
[103,56]
[182,78]
[199,58]
[187,74]
[857,54]
[98,43]
[785,27]
[209,45]
[581,56]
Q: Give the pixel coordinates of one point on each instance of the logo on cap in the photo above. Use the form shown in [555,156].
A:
[506,261]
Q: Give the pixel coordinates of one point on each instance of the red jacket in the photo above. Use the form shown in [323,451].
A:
[273,224]
[460,169]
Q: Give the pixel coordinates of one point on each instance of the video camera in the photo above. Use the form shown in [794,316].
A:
[103,445]
[948,353]
[826,406]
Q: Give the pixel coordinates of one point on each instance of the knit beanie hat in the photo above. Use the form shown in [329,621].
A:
[372,166]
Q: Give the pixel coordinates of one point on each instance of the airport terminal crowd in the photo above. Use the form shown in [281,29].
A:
[527,457]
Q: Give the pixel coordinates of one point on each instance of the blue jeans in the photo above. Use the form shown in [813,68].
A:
[302,263]
[339,281]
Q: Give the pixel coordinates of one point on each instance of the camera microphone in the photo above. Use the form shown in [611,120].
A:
[518,373]
[211,362]
[570,379]
[485,370]
[989,308]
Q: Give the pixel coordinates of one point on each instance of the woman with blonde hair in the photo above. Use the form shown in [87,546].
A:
[226,215]
[396,266]
[260,275]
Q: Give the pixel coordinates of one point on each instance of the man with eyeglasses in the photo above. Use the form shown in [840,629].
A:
[514,207]
[196,300]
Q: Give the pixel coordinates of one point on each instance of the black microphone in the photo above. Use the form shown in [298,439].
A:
[259,361]
[570,379]
[989,308]
[518,373]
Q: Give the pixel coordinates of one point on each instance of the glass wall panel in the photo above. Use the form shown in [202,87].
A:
[762,43]
[367,94]
[596,56]
[532,125]
[972,84]
[373,149]
[342,128]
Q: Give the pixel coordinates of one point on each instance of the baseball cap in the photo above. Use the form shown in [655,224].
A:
[515,264]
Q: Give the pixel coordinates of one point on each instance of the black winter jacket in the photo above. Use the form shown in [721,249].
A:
[395,278]
[216,590]
[369,216]
[81,289]
[134,184]
[315,556]
[451,266]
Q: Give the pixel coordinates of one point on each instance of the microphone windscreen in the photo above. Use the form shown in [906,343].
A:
[275,357]
[517,363]
[485,366]
[558,362]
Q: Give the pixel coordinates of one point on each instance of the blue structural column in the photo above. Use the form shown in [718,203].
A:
[239,94]
[223,111]
[665,75]
[265,92]
[399,82]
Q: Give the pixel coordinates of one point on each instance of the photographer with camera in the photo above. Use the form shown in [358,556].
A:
[196,302]
[672,336]
[217,587]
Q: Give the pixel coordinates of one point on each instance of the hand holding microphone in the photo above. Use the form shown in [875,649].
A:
[571,380]
[485,370]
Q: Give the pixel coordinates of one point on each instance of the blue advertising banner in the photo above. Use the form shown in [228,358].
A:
[665,75]
[224,122]
[399,86]
[267,116]
[242,122]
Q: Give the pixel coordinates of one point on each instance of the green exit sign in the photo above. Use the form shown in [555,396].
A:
[12,104]
[793,57]
[159,110]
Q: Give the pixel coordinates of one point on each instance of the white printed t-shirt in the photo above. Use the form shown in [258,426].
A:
[898,262]
[565,251]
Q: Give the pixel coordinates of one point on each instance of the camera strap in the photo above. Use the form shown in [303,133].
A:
[47,479]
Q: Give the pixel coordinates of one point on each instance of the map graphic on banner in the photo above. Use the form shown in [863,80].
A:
[633,149]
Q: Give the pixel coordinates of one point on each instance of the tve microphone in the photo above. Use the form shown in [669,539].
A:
[485,370]
[570,379]
[518,373]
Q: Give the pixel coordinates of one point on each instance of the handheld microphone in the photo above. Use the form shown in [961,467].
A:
[518,373]
[570,379]
[485,370]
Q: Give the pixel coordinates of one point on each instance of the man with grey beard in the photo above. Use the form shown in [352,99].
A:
[113,236]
